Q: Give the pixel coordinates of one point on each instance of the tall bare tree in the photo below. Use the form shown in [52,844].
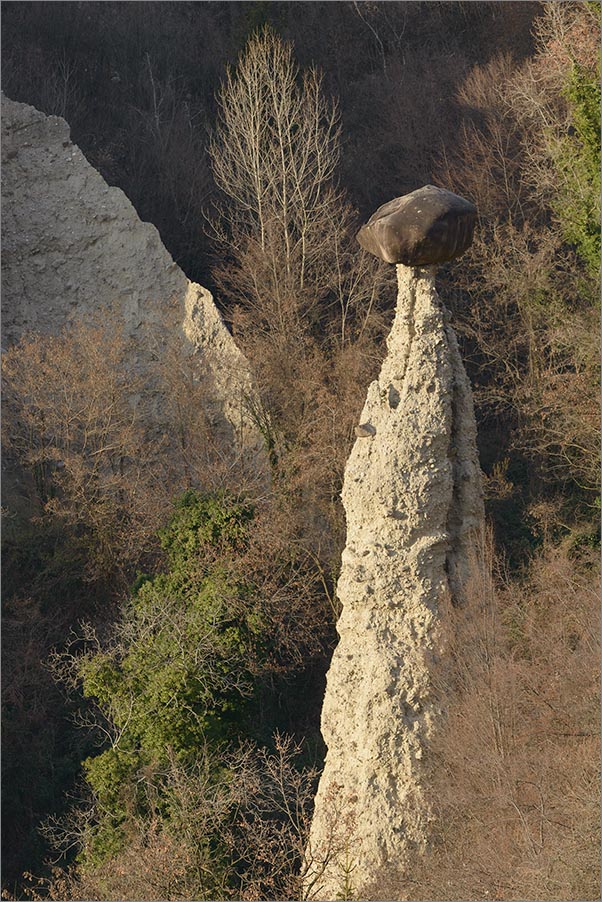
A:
[284,221]
[305,296]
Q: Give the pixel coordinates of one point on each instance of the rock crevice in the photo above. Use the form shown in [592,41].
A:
[413,501]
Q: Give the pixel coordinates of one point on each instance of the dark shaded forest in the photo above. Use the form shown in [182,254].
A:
[165,650]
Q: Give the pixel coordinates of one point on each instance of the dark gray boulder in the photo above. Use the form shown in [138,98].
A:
[430,225]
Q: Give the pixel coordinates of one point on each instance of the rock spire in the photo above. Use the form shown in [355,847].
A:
[413,501]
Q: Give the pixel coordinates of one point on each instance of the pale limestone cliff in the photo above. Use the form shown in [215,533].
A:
[72,245]
[413,501]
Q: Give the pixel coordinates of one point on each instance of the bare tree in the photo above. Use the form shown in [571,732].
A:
[106,445]
[307,301]
[534,331]
[274,154]
[515,778]
[276,147]
[70,423]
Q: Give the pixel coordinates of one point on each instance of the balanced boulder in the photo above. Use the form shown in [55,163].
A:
[428,226]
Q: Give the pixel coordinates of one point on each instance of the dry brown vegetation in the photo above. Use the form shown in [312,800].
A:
[515,788]
[104,445]
[532,327]
[260,808]
[307,305]
[68,420]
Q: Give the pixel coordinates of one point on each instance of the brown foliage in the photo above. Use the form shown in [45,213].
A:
[237,828]
[515,787]
[109,443]
[528,310]
[515,812]
[69,420]
[308,305]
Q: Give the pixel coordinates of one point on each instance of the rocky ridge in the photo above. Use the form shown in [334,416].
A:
[413,501]
[72,245]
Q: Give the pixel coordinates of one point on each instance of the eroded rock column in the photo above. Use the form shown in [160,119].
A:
[413,501]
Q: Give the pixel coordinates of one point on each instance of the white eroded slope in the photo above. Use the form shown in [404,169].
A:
[72,245]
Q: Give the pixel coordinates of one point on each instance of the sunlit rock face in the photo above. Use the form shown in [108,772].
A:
[413,501]
[430,225]
[72,246]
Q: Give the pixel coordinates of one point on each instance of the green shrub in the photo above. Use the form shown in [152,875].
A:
[578,164]
[178,674]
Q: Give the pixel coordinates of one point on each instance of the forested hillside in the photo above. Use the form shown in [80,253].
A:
[167,630]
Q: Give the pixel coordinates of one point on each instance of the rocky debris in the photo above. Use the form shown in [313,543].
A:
[365,430]
[73,245]
[413,501]
[430,225]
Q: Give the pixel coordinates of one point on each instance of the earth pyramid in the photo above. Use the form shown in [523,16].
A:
[414,507]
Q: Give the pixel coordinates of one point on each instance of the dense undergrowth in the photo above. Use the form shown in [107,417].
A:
[168,625]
